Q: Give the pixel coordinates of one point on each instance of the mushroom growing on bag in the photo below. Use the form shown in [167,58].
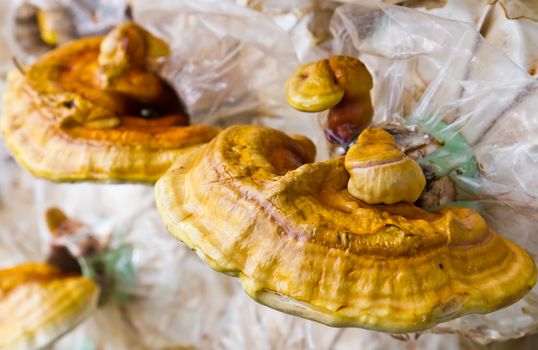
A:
[95,109]
[340,84]
[39,303]
[254,204]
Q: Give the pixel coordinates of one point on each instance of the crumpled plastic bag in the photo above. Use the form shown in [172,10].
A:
[229,63]
[443,77]
[509,25]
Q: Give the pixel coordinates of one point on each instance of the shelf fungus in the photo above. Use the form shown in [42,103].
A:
[95,109]
[39,303]
[254,204]
[340,84]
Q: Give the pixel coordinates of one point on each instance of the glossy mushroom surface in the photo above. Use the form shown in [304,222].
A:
[94,109]
[380,173]
[39,303]
[340,84]
[253,204]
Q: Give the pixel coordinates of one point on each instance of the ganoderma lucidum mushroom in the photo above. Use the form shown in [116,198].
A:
[380,172]
[94,109]
[41,301]
[340,84]
[253,204]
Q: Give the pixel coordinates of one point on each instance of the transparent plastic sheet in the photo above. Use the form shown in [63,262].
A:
[441,74]
[306,21]
[510,26]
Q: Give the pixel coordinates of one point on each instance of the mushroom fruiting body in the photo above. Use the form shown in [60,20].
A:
[340,84]
[38,303]
[254,205]
[81,111]
[380,173]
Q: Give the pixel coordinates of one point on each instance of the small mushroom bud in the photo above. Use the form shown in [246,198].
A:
[128,56]
[46,28]
[341,84]
[129,46]
[380,173]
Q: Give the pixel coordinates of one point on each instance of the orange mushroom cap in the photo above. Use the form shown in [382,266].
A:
[81,111]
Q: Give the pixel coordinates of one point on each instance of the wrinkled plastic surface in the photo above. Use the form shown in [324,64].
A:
[509,25]
[229,63]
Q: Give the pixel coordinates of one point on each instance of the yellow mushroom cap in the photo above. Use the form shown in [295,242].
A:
[47,31]
[320,85]
[312,87]
[68,117]
[38,304]
[380,172]
[253,205]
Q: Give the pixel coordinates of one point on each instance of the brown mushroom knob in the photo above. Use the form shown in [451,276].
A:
[300,243]
[380,173]
[68,246]
[38,304]
[341,84]
[95,109]
[127,57]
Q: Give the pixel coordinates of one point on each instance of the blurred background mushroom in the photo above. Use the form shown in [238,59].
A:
[37,26]
[96,109]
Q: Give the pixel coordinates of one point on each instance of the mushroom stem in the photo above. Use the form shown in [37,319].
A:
[347,119]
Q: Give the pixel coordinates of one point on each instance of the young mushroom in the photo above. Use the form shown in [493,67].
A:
[96,109]
[39,303]
[380,173]
[300,242]
[340,84]
[128,57]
